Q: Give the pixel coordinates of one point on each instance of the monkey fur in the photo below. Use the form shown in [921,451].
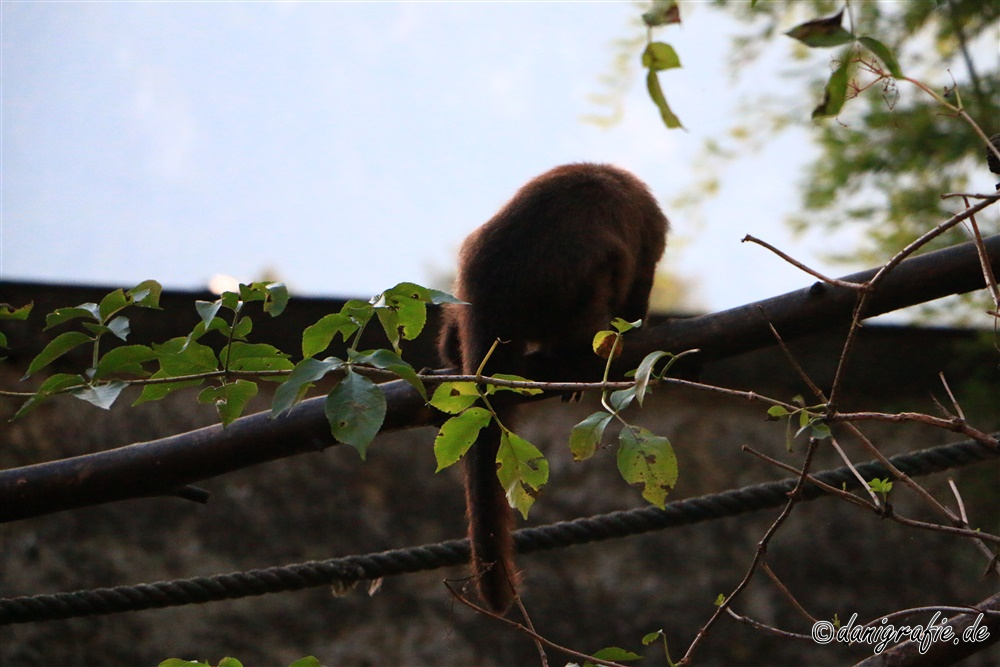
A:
[573,249]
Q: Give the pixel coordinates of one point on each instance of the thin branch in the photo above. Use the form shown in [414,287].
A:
[958,499]
[954,402]
[794,262]
[787,593]
[757,625]
[793,499]
[864,296]
[954,424]
[847,461]
[988,276]
[840,493]
[531,633]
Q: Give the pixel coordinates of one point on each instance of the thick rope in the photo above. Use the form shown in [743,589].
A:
[455,552]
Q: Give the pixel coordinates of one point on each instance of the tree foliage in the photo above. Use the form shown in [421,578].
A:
[886,159]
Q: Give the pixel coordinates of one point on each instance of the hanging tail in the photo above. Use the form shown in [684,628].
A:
[490,519]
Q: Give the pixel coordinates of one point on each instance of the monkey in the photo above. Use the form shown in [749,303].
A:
[574,248]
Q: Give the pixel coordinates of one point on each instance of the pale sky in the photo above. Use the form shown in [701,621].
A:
[348,147]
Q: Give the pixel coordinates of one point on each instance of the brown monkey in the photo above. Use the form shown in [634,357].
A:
[573,249]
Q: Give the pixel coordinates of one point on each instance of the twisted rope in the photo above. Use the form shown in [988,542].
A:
[351,569]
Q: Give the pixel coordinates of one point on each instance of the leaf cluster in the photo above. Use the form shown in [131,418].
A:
[809,418]
[220,357]
[886,162]
[355,407]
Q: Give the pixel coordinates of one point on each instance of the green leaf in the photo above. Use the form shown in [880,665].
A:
[179,356]
[524,391]
[256,291]
[360,311]
[585,437]
[883,53]
[112,303]
[821,33]
[308,661]
[454,397]
[155,392]
[254,357]
[789,435]
[647,460]
[458,434]
[355,409]
[882,486]
[318,337]
[120,327]
[834,94]
[438,297]
[615,654]
[52,385]
[102,395]
[200,329]
[651,637]
[656,94]
[645,371]
[659,56]
[390,324]
[407,291]
[230,399]
[232,300]
[127,359]
[244,325]
[146,294]
[207,310]
[56,348]
[622,398]
[230,662]
[622,326]
[8,312]
[522,470]
[277,299]
[777,411]
[61,315]
[409,303]
[820,430]
[302,377]
[390,361]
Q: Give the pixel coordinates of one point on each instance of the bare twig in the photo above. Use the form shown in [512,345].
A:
[954,424]
[794,262]
[988,277]
[787,593]
[793,499]
[865,295]
[757,625]
[954,402]
[531,633]
[958,499]
[840,493]
[847,461]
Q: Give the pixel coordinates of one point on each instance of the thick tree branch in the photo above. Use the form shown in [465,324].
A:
[165,466]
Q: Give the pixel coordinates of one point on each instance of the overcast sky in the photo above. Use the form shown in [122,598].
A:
[348,147]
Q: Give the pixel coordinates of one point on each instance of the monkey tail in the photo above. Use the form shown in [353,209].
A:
[490,519]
